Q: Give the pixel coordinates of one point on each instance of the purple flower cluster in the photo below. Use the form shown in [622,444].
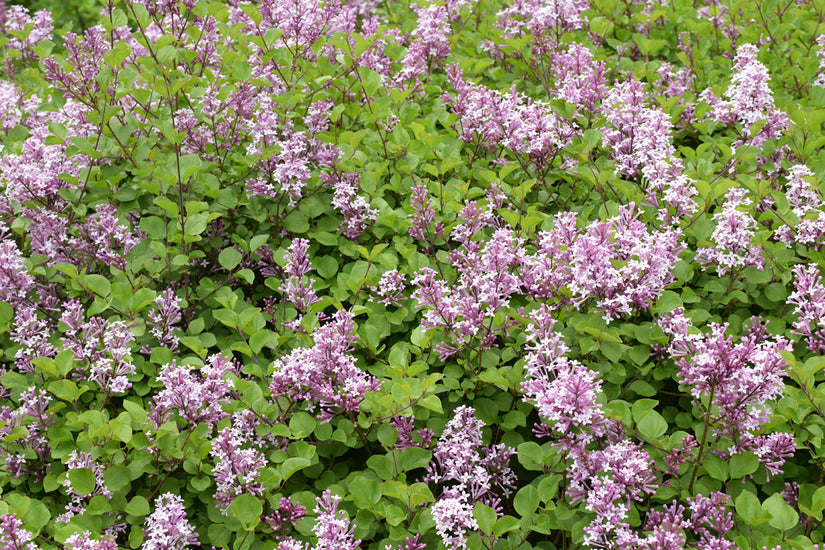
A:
[640,138]
[468,472]
[13,536]
[356,209]
[167,527]
[79,501]
[734,249]
[101,345]
[563,390]
[495,122]
[579,79]
[332,528]
[194,397]
[734,382]
[163,319]
[300,293]
[390,288]
[238,463]
[748,98]
[806,203]
[808,298]
[84,541]
[34,414]
[325,375]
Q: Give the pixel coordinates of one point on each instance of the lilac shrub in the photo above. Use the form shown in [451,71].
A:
[303,274]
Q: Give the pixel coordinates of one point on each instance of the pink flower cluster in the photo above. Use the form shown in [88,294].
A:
[808,298]
[472,476]
[34,414]
[735,381]
[13,536]
[748,98]
[194,397]
[495,122]
[640,138]
[325,375]
[239,460]
[332,528]
[167,527]
[734,249]
[806,204]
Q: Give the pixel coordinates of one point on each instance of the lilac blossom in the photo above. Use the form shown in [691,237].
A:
[283,519]
[579,79]
[103,238]
[332,528]
[167,527]
[820,77]
[325,375]
[423,216]
[733,236]
[103,346]
[487,278]
[84,541]
[195,397]
[640,138]
[32,333]
[808,298]
[13,536]
[735,381]
[453,516]
[540,16]
[468,472]
[34,414]
[15,281]
[499,121]
[35,28]
[411,543]
[80,460]
[358,214]
[563,390]
[621,264]
[806,204]
[748,98]
[163,319]
[11,101]
[430,43]
[298,292]
[238,465]
[390,288]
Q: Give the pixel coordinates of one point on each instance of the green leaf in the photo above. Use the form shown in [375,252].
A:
[505,524]
[366,492]
[293,465]
[716,467]
[747,505]
[414,457]
[301,425]
[138,506]
[82,480]
[247,509]
[229,258]
[485,517]
[743,464]
[526,501]
[652,426]
[98,284]
[783,516]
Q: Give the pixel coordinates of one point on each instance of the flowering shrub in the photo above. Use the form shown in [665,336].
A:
[488,274]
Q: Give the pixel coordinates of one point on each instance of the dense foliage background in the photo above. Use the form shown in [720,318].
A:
[456,274]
